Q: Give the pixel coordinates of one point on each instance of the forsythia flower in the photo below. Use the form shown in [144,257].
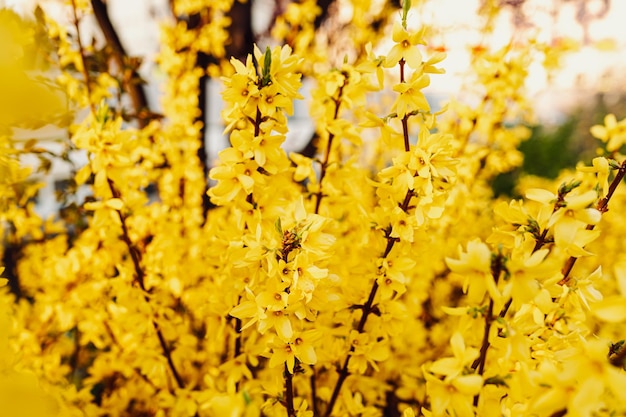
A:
[300,347]
[613,133]
[570,221]
[366,351]
[601,167]
[405,47]
[453,367]
[454,396]
[318,284]
[411,98]
[475,266]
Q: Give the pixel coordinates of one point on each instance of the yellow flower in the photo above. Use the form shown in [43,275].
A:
[477,258]
[373,64]
[271,101]
[239,88]
[403,225]
[396,266]
[300,346]
[429,65]
[278,320]
[251,308]
[284,71]
[312,228]
[475,266]
[583,376]
[600,166]
[366,351]
[389,136]
[584,288]
[453,367]
[274,297]
[613,133]
[405,47]
[304,168]
[264,149]
[570,221]
[306,277]
[411,98]
[453,396]
[233,177]
[525,266]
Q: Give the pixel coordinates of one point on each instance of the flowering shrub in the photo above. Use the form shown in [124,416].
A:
[378,277]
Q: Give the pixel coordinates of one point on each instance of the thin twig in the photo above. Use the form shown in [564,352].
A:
[331,136]
[369,304]
[131,80]
[133,250]
[496,270]
[602,207]
[135,255]
[291,411]
[83,58]
[314,402]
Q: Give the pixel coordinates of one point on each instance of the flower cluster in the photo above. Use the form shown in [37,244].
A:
[376,275]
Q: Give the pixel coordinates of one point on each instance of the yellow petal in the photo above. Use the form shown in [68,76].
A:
[92,205]
[300,213]
[611,309]
[458,344]
[398,33]
[620,276]
[468,384]
[599,132]
[540,195]
[445,366]
[114,203]
[455,311]
[283,328]
[307,355]
[247,182]
[83,174]
[408,412]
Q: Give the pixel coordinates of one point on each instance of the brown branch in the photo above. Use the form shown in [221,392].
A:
[367,308]
[11,255]
[329,145]
[291,411]
[131,80]
[369,304]
[392,402]
[344,372]
[133,250]
[203,60]
[242,37]
[203,151]
[81,51]
[135,255]
[496,270]
[602,207]
[313,383]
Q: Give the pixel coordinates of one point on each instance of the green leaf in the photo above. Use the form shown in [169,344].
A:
[406,6]
[278,226]
[267,65]
[497,380]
